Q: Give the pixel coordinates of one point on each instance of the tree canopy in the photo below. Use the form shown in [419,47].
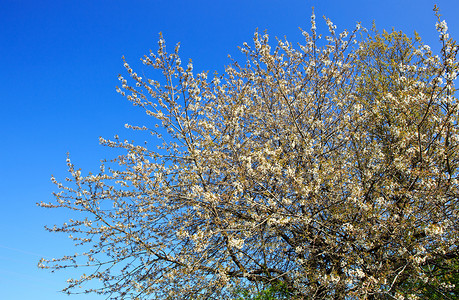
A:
[326,170]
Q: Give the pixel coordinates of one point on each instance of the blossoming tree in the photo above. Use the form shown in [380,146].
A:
[329,170]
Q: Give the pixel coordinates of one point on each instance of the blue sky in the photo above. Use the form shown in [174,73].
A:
[60,61]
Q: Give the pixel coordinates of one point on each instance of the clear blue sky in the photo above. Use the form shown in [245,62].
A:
[59,67]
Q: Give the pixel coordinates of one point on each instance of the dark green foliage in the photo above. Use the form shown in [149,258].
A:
[445,282]
[273,292]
